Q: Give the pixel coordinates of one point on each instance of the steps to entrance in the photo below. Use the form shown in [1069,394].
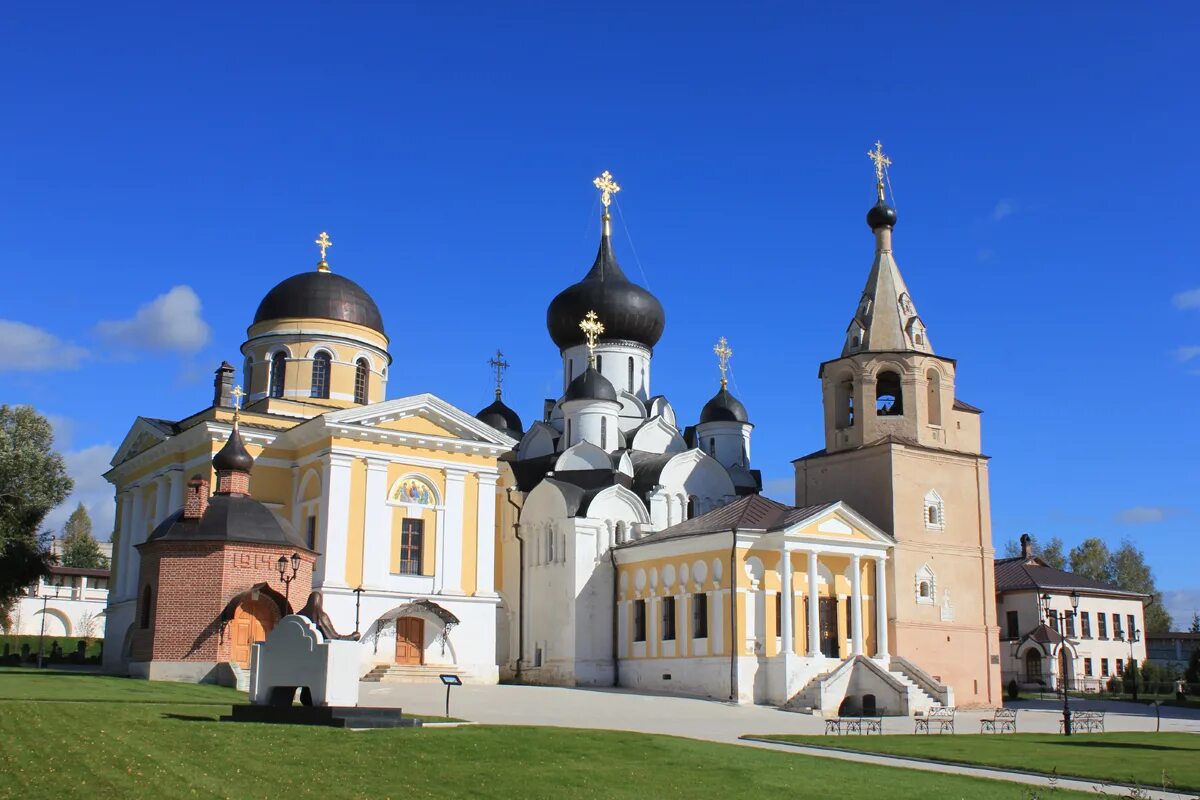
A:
[411,673]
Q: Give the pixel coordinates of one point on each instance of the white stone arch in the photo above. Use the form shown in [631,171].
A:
[323,347]
[368,356]
[625,464]
[658,436]
[825,576]
[659,406]
[537,441]
[754,571]
[439,624]
[695,473]
[421,478]
[925,585]
[61,626]
[618,503]
[310,475]
[582,456]
[934,514]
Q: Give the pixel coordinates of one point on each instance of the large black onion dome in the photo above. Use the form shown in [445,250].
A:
[233,456]
[320,295]
[881,215]
[591,385]
[502,418]
[627,310]
[724,407]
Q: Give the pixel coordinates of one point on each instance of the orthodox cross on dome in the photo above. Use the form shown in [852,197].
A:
[324,242]
[724,353]
[607,186]
[237,394]
[882,162]
[592,327]
[499,364]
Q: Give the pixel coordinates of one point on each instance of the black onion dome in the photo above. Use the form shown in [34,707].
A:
[724,407]
[627,310]
[591,385]
[320,295]
[881,215]
[233,456]
[502,418]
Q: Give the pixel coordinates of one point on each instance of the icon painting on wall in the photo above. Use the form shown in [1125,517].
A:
[415,492]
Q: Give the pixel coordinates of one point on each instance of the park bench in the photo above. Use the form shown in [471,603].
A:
[1085,722]
[1003,721]
[840,726]
[940,718]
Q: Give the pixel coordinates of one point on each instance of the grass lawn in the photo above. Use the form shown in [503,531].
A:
[113,737]
[1138,758]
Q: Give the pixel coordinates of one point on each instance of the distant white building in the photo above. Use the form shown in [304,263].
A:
[71,600]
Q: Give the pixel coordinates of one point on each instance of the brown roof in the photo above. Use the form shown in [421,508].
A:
[749,513]
[91,573]
[1013,574]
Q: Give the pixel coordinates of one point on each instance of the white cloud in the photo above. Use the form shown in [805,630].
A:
[170,321]
[1145,515]
[1004,208]
[1188,299]
[86,467]
[1186,354]
[1181,604]
[29,348]
[781,489]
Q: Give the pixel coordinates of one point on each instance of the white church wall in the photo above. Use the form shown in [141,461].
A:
[727,442]
[613,361]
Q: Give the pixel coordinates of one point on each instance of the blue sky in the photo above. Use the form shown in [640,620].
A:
[165,167]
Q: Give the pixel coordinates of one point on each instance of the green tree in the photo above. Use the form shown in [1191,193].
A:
[1091,559]
[1195,622]
[1052,553]
[33,480]
[79,547]
[1130,571]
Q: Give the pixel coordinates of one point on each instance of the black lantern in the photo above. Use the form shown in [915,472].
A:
[282,565]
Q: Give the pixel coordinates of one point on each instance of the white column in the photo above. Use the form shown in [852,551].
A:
[336,528]
[856,641]
[814,619]
[119,579]
[162,499]
[377,527]
[451,532]
[82,588]
[716,623]
[137,532]
[485,547]
[786,601]
[175,494]
[881,609]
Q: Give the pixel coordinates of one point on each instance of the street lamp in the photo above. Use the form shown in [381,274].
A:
[357,602]
[42,635]
[282,564]
[1134,636]
[1055,652]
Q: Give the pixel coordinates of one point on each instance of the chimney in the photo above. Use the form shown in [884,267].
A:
[1026,546]
[223,386]
[195,499]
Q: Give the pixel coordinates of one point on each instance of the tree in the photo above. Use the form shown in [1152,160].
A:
[1195,622]
[79,548]
[87,625]
[1052,553]
[1129,571]
[1091,559]
[33,480]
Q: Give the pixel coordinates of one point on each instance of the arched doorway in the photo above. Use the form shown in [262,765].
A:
[253,619]
[1033,666]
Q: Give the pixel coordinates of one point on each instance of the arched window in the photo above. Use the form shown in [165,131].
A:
[631,374]
[320,374]
[845,403]
[147,600]
[691,506]
[362,372]
[278,373]
[569,442]
[604,433]
[600,364]
[712,446]
[935,397]
[935,510]
[926,585]
[248,374]
[889,401]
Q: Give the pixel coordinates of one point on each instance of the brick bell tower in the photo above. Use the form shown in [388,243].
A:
[209,585]
[904,451]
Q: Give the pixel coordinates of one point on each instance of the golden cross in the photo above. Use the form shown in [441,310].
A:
[323,241]
[607,186]
[723,355]
[592,327]
[882,162]
[500,365]
[237,395]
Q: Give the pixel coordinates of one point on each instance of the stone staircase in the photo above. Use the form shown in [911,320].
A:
[809,699]
[412,673]
[241,677]
[919,701]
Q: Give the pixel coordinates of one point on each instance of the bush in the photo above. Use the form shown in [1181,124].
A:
[1014,691]
[1192,675]
[68,648]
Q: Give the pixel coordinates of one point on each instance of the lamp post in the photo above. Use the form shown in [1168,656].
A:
[1134,636]
[42,635]
[1056,652]
[282,564]
[357,603]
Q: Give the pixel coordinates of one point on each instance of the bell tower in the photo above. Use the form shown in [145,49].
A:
[901,449]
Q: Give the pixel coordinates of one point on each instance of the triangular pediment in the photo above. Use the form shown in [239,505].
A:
[422,415]
[838,522]
[143,435]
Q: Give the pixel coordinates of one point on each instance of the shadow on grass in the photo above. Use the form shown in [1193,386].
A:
[1120,745]
[110,701]
[189,718]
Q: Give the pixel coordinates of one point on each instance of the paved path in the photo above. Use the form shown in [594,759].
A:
[619,709]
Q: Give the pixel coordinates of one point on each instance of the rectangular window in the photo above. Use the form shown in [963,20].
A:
[412,534]
[1132,624]
[668,619]
[310,533]
[1086,622]
[1104,667]
[778,614]
[1102,625]
[1014,625]
[1070,618]
[1120,666]
[639,620]
[1087,667]
[1118,634]
[700,616]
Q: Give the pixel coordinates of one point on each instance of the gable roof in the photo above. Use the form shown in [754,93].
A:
[1013,574]
[748,513]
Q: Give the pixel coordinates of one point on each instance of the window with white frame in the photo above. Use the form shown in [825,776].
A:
[935,511]
[926,586]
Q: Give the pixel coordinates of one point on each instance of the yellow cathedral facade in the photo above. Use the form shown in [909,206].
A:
[610,542]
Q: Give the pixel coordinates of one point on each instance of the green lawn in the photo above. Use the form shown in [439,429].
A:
[112,737]
[1144,759]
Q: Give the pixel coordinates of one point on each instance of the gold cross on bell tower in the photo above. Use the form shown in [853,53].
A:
[592,327]
[882,162]
[237,394]
[608,187]
[499,364]
[324,242]
[723,355]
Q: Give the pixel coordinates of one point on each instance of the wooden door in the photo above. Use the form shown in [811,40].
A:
[252,621]
[829,626]
[410,641]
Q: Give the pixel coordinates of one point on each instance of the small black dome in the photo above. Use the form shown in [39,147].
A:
[627,310]
[502,418]
[724,407]
[591,385]
[233,456]
[320,295]
[881,215]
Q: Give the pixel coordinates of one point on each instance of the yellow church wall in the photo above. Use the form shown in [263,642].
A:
[357,522]
[272,485]
[470,533]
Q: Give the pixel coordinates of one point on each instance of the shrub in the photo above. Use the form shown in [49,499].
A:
[1014,691]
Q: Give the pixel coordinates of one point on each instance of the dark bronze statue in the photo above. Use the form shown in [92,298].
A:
[314,611]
